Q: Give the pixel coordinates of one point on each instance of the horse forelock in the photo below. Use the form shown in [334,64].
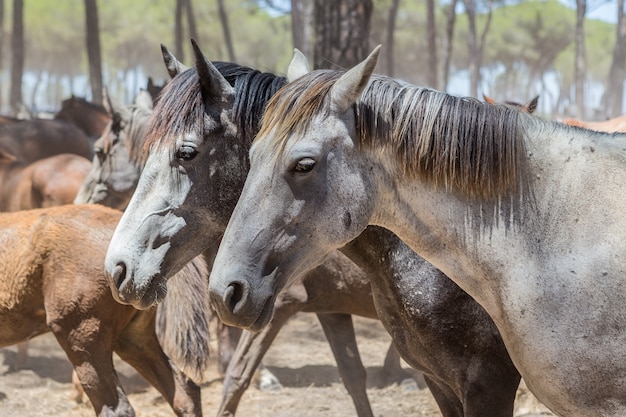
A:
[473,148]
[178,112]
[180,109]
[291,109]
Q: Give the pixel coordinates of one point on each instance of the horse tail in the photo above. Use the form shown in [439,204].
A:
[182,319]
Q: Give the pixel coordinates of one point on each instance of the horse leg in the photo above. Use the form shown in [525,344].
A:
[248,354]
[138,345]
[339,331]
[448,402]
[492,395]
[21,358]
[93,364]
[228,337]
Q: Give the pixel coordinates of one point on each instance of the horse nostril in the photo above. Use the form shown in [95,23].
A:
[234,295]
[119,274]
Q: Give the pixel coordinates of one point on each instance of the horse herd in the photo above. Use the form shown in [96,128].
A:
[316,192]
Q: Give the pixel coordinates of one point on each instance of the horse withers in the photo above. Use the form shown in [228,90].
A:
[52,280]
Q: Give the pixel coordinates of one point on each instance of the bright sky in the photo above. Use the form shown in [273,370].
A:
[607,11]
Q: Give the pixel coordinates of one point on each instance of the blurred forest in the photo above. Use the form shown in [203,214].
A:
[509,50]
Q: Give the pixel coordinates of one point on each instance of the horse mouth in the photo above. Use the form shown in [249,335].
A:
[267,312]
[128,292]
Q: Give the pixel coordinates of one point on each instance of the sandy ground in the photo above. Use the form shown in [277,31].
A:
[300,358]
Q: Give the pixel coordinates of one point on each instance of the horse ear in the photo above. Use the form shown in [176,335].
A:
[488,99]
[144,100]
[107,102]
[298,65]
[349,87]
[112,107]
[6,156]
[173,65]
[532,105]
[212,83]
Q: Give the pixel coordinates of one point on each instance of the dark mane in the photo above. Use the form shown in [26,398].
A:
[460,143]
[180,109]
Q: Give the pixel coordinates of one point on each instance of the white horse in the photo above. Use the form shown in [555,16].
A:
[526,215]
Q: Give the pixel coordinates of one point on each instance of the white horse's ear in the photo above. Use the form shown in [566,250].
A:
[173,65]
[144,100]
[108,104]
[212,82]
[298,65]
[349,87]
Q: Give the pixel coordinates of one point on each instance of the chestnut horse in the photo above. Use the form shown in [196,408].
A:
[52,280]
[89,117]
[47,182]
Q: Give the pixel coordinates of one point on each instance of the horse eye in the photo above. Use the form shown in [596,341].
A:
[304,165]
[186,153]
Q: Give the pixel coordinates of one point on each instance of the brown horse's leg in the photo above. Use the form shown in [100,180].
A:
[92,359]
[138,345]
[339,331]
[248,354]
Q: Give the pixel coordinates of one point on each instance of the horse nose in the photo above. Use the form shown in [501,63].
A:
[235,296]
[118,277]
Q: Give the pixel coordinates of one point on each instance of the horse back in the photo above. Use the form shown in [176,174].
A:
[31,140]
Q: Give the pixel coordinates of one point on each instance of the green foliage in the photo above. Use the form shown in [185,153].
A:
[526,40]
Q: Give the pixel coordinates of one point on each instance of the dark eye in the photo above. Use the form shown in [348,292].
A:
[186,153]
[304,165]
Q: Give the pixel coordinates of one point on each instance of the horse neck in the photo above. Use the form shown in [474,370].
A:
[372,250]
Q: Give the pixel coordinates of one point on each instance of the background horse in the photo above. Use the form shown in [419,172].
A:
[438,327]
[89,117]
[616,124]
[524,214]
[51,280]
[73,130]
[334,291]
[47,182]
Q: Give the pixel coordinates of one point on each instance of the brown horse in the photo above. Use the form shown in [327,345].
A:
[73,130]
[528,107]
[51,279]
[89,117]
[47,182]
[616,124]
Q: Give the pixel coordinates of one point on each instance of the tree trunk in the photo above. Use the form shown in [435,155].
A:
[391,28]
[341,33]
[449,39]
[93,50]
[226,30]
[178,30]
[1,44]
[431,36]
[615,85]
[302,26]
[472,42]
[579,69]
[17,57]
[191,22]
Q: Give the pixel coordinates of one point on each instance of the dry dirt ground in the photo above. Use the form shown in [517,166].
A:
[300,358]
